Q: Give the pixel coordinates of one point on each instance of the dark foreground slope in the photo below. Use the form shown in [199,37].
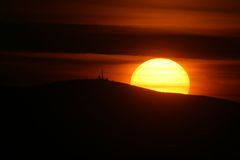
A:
[97,118]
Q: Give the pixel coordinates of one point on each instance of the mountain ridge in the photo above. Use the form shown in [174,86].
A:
[125,85]
[88,118]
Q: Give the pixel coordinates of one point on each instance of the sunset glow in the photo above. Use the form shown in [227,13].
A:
[163,75]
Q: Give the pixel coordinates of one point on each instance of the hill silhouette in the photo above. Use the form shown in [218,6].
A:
[99,118]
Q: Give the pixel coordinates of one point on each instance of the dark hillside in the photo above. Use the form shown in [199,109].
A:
[94,118]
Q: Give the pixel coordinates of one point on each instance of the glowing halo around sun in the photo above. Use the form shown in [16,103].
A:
[163,75]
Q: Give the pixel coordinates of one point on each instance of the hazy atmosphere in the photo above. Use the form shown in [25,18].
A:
[120,79]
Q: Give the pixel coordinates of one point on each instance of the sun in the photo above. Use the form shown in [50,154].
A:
[163,75]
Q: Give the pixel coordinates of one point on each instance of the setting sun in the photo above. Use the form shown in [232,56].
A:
[163,75]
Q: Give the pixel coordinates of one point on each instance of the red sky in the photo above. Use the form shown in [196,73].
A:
[219,78]
[194,16]
[49,40]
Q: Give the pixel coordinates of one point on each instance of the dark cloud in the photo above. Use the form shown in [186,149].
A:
[116,40]
[195,15]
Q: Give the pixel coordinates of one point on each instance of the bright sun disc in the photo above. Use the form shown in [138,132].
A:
[163,75]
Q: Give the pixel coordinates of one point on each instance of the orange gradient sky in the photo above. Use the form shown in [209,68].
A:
[51,40]
[209,77]
[192,16]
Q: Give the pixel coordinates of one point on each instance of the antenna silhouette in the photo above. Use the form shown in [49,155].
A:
[101,76]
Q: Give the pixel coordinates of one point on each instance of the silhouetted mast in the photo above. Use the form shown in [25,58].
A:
[102,77]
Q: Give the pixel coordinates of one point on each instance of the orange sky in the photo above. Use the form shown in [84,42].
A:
[201,35]
[194,16]
[218,78]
